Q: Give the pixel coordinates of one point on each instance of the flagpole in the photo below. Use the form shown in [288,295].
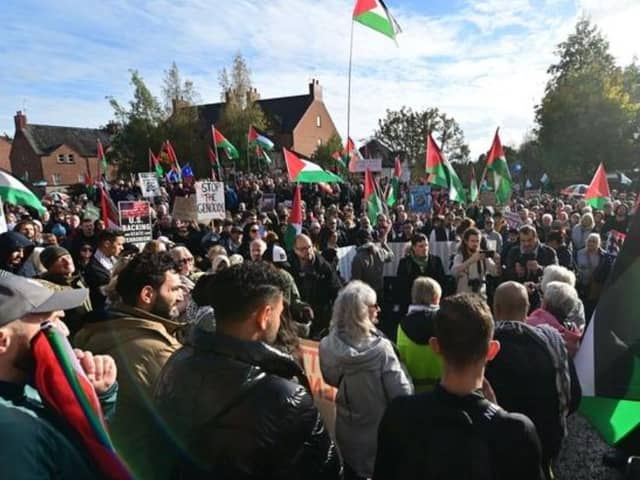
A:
[349,85]
[215,145]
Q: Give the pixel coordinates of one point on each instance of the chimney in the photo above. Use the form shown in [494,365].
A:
[178,104]
[20,120]
[315,90]
[252,95]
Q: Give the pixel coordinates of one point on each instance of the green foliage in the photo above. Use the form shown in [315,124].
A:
[590,111]
[406,130]
[240,109]
[323,154]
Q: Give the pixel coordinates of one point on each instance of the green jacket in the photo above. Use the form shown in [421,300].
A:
[414,331]
[36,443]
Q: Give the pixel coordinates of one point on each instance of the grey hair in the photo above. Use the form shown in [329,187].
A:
[351,311]
[425,290]
[588,216]
[262,243]
[594,236]
[557,273]
[175,251]
[560,299]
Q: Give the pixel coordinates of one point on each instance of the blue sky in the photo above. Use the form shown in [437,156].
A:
[481,61]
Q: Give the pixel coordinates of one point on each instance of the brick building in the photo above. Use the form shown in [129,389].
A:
[59,156]
[5,150]
[299,123]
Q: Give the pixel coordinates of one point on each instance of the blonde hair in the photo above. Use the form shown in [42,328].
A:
[425,291]
[351,311]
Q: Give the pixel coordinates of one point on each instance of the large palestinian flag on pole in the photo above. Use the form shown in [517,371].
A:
[442,173]
[497,164]
[598,192]
[608,362]
[304,171]
[375,15]
[13,191]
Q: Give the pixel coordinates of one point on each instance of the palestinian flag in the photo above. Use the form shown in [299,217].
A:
[155,164]
[259,139]
[220,142]
[102,159]
[473,187]
[295,220]
[598,192]
[375,15]
[497,164]
[173,159]
[393,192]
[304,171]
[109,211]
[337,156]
[371,198]
[262,154]
[13,191]
[350,154]
[442,173]
[64,387]
[608,362]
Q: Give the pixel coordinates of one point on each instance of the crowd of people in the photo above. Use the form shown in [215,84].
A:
[459,365]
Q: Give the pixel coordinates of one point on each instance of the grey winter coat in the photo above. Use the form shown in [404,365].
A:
[368,265]
[368,376]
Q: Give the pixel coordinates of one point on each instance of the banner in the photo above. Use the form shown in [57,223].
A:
[135,222]
[373,164]
[209,201]
[184,208]
[513,219]
[420,200]
[346,254]
[268,202]
[532,193]
[149,184]
[3,219]
[487,199]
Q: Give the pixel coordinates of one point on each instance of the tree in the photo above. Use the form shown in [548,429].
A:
[406,130]
[139,127]
[323,155]
[174,89]
[240,108]
[587,116]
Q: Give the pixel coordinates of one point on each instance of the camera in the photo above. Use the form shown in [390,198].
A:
[475,284]
[488,253]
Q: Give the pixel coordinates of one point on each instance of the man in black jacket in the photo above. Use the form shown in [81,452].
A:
[97,274]
[317,282]
[234,406]
[525,262]
[417,263]
[454,431]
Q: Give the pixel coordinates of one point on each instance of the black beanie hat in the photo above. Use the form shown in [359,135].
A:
[49,255]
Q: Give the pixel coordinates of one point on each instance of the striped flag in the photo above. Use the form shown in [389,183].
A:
[109,211]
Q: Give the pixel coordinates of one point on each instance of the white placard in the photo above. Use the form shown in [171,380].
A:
[210,201]
[149,184]
[373,164]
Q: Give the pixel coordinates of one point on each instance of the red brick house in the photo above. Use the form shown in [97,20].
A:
[59,156]
[300,122]
[5,150]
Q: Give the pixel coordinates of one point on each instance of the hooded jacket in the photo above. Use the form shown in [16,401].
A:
[238,409]
[368,265]
[368,375]
[414,332]
[9,243]
[140,344]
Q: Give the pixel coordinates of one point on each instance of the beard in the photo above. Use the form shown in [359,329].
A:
[163,308]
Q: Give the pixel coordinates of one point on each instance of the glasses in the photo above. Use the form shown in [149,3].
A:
[304,249]
[184,261]
[255,230]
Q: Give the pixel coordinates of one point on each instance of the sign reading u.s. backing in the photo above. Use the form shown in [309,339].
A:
[210,201]
[135,222]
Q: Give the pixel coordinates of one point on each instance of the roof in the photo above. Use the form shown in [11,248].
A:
[46,138]
[286,112]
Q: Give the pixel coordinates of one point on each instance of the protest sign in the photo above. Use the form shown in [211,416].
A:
[3,220]
[512,219]
[532,193]
[487,199]
[149,184]
[324,395]
[420,200]
[373,164]
[268,202]
[209,201]
[184,208]
[135,222]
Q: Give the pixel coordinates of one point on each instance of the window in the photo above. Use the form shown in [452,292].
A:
[61,158]
[318,121]
[56,178]
[319,141]
[70,158]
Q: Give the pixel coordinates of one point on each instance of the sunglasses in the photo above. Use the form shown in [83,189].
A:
[184,261]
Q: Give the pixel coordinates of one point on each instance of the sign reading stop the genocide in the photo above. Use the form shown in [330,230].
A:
[135,222]
[210,201]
